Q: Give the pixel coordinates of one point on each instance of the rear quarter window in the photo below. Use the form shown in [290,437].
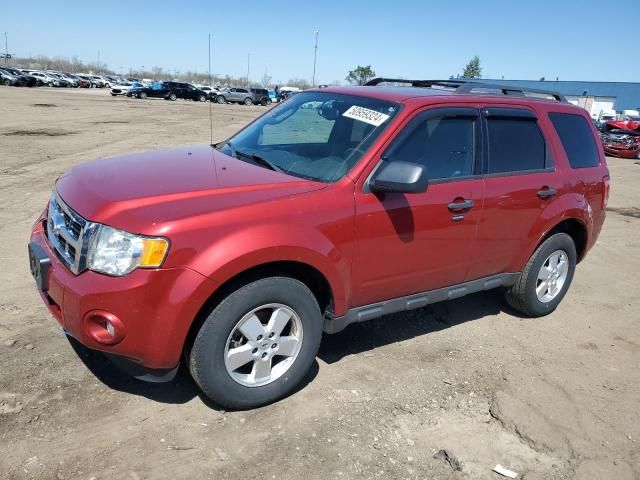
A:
[577,139]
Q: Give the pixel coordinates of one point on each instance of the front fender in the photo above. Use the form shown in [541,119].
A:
[257,245]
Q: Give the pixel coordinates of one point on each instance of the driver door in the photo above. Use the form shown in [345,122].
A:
[415,242]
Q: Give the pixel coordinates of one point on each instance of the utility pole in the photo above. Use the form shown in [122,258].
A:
[248,63]
[315,56]
[6,50]
[99,62]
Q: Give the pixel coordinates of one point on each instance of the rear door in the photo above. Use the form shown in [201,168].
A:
[410,243]
[521,181]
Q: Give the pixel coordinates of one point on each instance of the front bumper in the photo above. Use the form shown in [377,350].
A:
[152,310]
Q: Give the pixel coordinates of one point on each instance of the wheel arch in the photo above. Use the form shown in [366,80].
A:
[572,226]
[307,274]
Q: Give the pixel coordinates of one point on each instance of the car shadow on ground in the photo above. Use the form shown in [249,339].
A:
[362,337]
[355,339]
[180,390]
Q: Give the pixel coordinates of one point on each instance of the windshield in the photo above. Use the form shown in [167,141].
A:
[634,118]
[314,135]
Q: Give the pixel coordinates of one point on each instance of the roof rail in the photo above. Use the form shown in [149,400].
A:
[467,86]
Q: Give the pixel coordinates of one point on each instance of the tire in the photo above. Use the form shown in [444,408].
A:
[49,84]
[221,100]
[142,95]
[237,389]
[248,101]
[264,102]
[202,98]
[172,96]
[6,82]
[523,295]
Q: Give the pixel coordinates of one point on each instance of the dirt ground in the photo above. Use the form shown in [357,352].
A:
[445,392]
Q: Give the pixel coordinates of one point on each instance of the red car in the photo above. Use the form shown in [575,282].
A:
[337,206]
[628,122]
[625,144]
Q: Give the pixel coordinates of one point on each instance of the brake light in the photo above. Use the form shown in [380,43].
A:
[605,191]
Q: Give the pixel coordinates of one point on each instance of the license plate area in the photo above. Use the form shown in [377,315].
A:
[39,263]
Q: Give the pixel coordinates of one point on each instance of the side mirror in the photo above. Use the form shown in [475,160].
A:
[399,177]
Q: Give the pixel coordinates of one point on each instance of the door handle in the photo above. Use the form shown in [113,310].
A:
[547,192]
[458,206]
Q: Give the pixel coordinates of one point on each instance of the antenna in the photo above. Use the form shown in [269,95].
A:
[210,101]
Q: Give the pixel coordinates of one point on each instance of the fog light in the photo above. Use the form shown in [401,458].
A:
[104,327]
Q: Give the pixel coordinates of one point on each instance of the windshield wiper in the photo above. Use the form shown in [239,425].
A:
[257,159]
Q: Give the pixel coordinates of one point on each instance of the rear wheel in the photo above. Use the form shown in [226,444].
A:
[202,98]
[172,96]
[142,95]
[546,277]
[248,101]
[258,344]
[220,99]
[6,82]
[264,102]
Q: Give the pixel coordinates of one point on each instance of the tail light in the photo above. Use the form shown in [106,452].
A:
[605,191]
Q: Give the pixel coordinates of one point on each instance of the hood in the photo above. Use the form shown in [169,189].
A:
[142,191]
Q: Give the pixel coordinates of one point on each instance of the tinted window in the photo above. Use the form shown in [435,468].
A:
[443,145]
[576,138]
[515,145]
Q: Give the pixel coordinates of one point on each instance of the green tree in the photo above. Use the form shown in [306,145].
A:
[360,75]
[473,69]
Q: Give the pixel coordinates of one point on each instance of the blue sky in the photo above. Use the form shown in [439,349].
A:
[572,40]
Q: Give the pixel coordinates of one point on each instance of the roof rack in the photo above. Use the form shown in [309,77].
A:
[466,86]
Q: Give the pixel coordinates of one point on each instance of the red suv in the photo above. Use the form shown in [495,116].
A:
[337,206]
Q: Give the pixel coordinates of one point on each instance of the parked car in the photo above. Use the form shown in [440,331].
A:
[627,122]
[124,87]
[235,95]
[85,81]
[23,79]
[44,78]
[62,81]
[75,80]
[235,257]
[7,78]
[170,91]
[621,143]
[260,96]
[210,91]
[97,81]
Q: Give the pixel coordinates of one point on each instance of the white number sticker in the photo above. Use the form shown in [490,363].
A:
[365,115]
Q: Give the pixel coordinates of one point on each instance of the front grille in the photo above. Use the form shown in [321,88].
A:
[65,231]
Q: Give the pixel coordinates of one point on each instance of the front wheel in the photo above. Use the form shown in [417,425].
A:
[257,345]
[142,95]
[172,97]
[221,100]
[546,277]
[202,98]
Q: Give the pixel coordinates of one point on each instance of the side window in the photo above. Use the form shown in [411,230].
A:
[515,145]
[444,145]
[577,139]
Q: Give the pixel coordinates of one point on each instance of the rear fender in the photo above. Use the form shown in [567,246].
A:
[568,206]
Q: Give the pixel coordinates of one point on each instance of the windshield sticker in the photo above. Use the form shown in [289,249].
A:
[365,115]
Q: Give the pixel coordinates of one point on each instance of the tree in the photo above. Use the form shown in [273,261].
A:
[266,79]
[360,75]
[473,69]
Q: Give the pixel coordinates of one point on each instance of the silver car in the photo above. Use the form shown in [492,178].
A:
[235,95]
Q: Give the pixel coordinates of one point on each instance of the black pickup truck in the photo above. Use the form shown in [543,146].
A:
[170,91]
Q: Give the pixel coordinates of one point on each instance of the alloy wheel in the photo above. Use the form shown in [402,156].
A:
[263,345]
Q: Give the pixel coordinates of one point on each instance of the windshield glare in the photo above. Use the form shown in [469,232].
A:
[314,135]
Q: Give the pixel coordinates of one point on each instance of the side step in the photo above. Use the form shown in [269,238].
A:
[417,300]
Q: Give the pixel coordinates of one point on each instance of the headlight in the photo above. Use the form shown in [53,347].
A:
[117,253]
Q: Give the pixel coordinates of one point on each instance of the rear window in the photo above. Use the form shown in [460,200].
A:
[577,139]
[515,145]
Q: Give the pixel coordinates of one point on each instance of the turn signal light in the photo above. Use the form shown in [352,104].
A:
[153,252]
